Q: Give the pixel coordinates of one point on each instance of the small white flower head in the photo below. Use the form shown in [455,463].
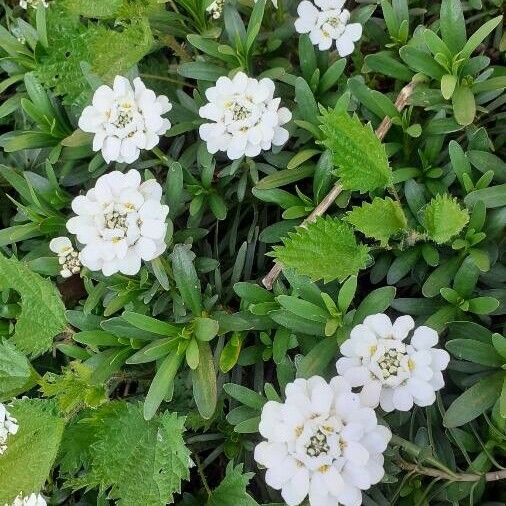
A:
[246,117]
[216,9]
[67,256]
[120,222]
[326,21]
[125,119]
[31,500]
[392,373]
[8,426]
[322,442]
[24,4]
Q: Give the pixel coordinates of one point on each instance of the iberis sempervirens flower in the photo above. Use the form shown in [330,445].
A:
[216,9]
[120,222]
[326,22]
[8,426]
[125,119]
[392,373]
[67,256]
[30,500]
[24,4]
[322,442]
[246,118]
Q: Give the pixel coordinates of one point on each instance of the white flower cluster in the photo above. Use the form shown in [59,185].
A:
[322,442]
[326,21]
[31,500]
[68,257]
[246,118]
[392,373]
[120,222]
[8,426]
[24,4]
[215,9]
[125,119]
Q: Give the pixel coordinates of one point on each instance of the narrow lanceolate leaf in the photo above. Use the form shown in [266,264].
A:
[141,462]
[356,151]
[326,249]
[380,219]
[30,454]
[232,490]
[42,311]
[444,218]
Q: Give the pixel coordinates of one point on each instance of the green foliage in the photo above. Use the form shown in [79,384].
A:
[42,311]
[232,490]
[380,219]
[356,151]
[73,389]
[444,218]
[325,249]
[16,373]
[143,462]
[30,453]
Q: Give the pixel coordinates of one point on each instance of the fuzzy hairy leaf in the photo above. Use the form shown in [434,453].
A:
[356,151]
[73,389]
[380,219]
[443,218]
[107,53]
[326,249]
[42,311]
[232,490]
[30,454]
[142,462]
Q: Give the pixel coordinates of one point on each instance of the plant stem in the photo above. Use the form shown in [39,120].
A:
[381,131]
[201,474]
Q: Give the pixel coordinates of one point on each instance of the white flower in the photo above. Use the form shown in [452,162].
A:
[121,222]
[392,373]
[246,118]
[8,426]
[67,256]
[216,8]
[31,500]
[326,21]
[322,442]
[24,4]
[125,119]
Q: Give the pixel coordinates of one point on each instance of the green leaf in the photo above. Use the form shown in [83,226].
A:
[245,396]
[162,384]
[186,277]
[380,219]
[474,401]
[254,24]
[149,324]
[42,311]
[356,151]
[479,36]
[448,83]
[464,105]
[204,382]
[16,374]
[205,329]
[474,351]
[384,63]
[142,462]
[325,249]
[318,358]
[492,197]
[453,25]
[30,454]
[443,218]
[306,102]
[375,302]
[232,490]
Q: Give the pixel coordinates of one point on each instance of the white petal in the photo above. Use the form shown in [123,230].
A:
[370,393]
[297,489]
[402,327]
[402,399]
[380,324]
[59,245]
[424,338]
[270,454]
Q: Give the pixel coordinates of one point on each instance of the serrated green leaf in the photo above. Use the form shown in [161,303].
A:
[380,219]
[356,151]
[42,311]
[16,373]
[325,249]
[443,218]
[30,454]
[141,462]
[232,490]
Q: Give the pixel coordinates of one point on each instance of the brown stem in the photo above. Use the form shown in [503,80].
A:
[321,208]
[436,473]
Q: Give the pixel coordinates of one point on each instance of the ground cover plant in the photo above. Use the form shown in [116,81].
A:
[252,253]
